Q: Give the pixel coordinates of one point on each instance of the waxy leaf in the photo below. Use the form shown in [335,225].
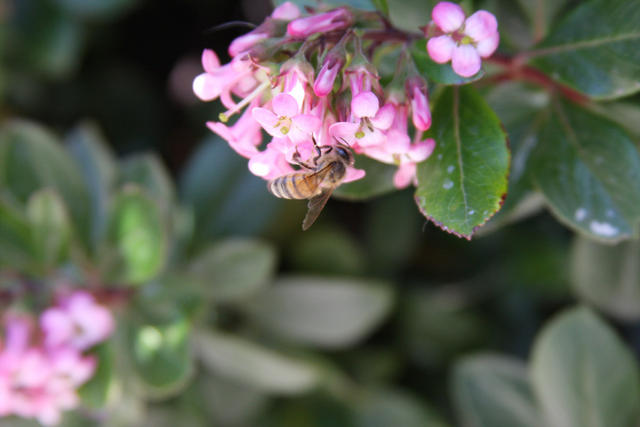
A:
[248,363]
[138,235]
[234,269]
[381,408]
[97,165]
[595,49]
[464,181]
[608,276]
[439,73]
[583,375]
[148,172]
[161,356]
[588,170]
[95,392]
[16,245]
[494,391]
[50,227]
[327,313]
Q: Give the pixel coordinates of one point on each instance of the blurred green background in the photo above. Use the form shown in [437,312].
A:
[391,309]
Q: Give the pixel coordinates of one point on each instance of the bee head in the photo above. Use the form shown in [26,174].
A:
[344,151]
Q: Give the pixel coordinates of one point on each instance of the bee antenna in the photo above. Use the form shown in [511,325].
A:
[344,142]
[230,24]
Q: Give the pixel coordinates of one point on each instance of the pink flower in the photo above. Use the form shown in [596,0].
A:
[362,78]
[294,79]
[284,120]
[320,23]
[244,136]
[417,92]
[272,162]
[220,81]
[286,11]
[79,322]
[463,42]
[327,75]
[369,123]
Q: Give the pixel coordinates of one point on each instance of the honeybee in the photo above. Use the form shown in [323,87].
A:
[318,180]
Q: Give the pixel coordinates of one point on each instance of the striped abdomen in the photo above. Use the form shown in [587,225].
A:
[295,186]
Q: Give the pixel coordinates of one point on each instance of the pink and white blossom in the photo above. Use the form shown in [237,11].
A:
[462,41]
[369,122]
[285,120]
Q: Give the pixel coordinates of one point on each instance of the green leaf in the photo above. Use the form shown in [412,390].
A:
[31,159]
[148,172]
[95,392]
[328,313]
[462,184]
[97,165]
[16,244]
[601,59]
[494,391]
[382,6]
[234,269]
[226,198]
[409,15]
[378,180]
[260,368]
[438,73]
[97,9]
[138,235]
[588,170]
[583,374]
[357,4]
[386,407]
[608,276]
[50,227]
[327,251]
[161,356]
[45,38]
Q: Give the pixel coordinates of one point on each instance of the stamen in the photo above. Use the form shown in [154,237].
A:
[224,117]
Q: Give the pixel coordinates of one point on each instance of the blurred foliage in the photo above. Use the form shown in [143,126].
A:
[229,315]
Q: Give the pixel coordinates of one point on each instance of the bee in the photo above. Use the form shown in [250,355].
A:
[316,181]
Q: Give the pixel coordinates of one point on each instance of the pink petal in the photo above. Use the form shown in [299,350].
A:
[323,22]
[448,16]
[286,11]
[206,87]
[353,174]
[57,326]
[242,147]
[421,114]
[285,105]
[245,42]
[209,60]
[480,25]
[486,47]
[420,151]
[307,122]
[267,119]
[384,118]
[380,153]
[465,60]
[365,104]
[344,131]
[440,48]
[323,84]
[405,175]
[397,142]
[375,137]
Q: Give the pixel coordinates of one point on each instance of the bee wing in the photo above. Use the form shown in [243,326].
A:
[315,206]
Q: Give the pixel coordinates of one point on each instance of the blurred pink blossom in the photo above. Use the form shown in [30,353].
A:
[462,41]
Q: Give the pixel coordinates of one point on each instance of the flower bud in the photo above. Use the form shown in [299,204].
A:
[327,75]
[323,22]
[416,89]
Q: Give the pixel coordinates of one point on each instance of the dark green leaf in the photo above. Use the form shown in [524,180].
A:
[377,181]
[608,276]
[494,391]
[138,235]
[583,374]
[410,15]
[588,170]
[330,313]
[327,251]
[258,367]
[357,4]
[382,6]
[97,165]
[148,172]
[50,227]
[16,244]
[438,73]
[594,50]
[31,159]
[383,408]
[95,392]
[226,198]
[464,181]
[161,356]
[234,269]
[96,9]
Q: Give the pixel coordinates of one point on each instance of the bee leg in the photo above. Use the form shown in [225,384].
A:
[296,158]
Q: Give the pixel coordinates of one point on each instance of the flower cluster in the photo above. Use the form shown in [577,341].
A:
[308,80]
[41,367]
